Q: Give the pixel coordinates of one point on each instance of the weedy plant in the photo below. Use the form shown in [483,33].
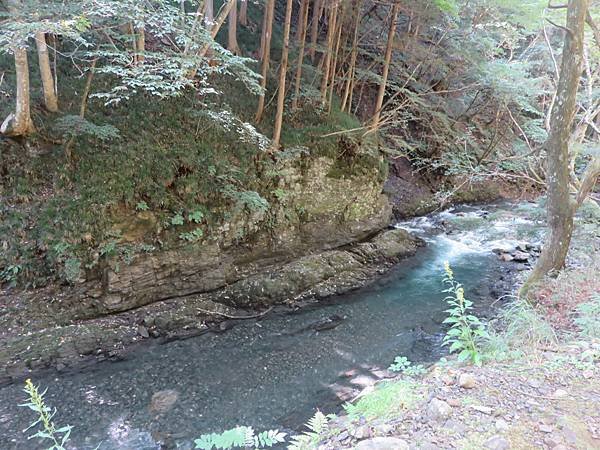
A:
[239,437]
[46,429]
[467,332]
[403,365]
[588,319]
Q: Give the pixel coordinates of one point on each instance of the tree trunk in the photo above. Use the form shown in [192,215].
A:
[327,57]
[561,207]
[266,55]
[282,74]
[336,50]
[244,13]
[353,57]
[140,37]
[232,43]
[314,28]
[19,123]
[302,26]
[386,65]
[48,82]
[209,14]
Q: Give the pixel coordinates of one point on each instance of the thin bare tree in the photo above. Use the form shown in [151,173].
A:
[282,74]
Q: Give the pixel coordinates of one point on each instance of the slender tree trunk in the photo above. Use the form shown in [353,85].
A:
[48,82]
[314,28]
[282,74]
[336,51]
[353,56]
[329,52]
[209,14]
[266,56]
[561,207]
[217,24]
[302,26]
[386,65]
[244,13]
[140,39]
[232,43]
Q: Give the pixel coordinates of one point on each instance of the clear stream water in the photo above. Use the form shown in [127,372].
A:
[274,372]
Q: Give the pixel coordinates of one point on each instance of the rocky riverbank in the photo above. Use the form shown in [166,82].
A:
[538,386]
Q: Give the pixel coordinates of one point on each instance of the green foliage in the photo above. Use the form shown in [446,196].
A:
[177,219]
[387,400]
[10,273]
[142,206]
[192,236]
[318,425]
[467,332]
[196,216]
[47,432]
[588,319]
[239,437]
[403,365]
[72,126]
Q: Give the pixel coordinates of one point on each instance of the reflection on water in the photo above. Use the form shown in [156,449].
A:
[274,372]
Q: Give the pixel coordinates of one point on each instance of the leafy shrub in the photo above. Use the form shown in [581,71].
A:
[466,332]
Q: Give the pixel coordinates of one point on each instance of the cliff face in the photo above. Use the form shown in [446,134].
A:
[320,209]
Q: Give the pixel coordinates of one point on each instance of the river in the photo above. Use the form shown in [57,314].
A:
[274,372]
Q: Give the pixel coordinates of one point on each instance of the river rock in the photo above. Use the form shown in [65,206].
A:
[438,410]
[143,331]
[163,401]
[383,443]
[467,381]
[501,425]
[520,256]
[497,442]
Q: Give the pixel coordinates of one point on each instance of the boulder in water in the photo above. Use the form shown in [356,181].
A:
[163,401]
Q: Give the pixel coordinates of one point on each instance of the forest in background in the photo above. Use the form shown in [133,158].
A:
[186,109]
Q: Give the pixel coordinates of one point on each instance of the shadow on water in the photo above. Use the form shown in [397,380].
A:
[272,372]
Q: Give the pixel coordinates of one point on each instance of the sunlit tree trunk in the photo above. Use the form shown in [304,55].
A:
[232,43]
[561,207]
[314,27]
[282,74]
[266,55]
[244,13]
[302,26]
[48,82]
[19,123]
[386,65]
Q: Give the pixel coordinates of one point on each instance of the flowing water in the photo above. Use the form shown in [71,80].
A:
[274,372]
